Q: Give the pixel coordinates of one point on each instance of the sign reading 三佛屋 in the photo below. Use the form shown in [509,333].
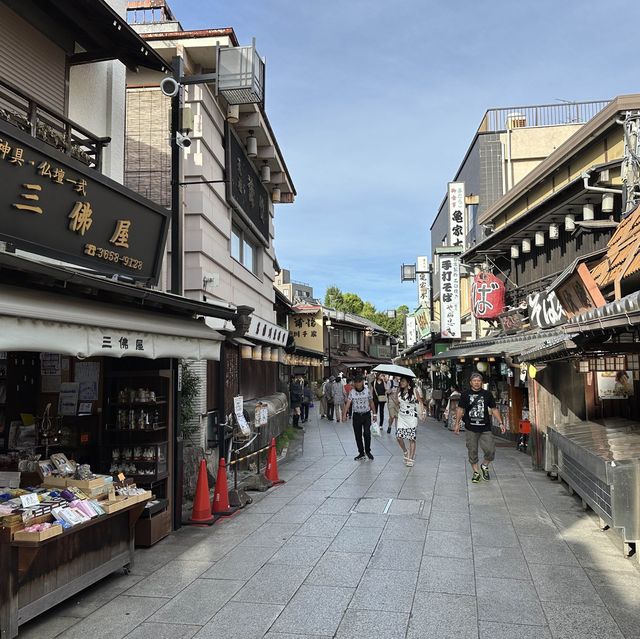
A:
[457,232]
[245,191]
[54,206]
[450,296]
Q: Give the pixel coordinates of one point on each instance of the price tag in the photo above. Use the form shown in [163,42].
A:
[29,500]
[121,476]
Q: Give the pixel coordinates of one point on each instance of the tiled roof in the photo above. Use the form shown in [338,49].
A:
[624,245]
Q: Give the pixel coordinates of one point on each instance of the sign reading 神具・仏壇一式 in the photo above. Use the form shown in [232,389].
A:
[54,206]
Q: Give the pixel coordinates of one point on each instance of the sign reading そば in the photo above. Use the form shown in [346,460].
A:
[450,323]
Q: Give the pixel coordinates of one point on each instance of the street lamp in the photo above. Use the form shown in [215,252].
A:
[329,326]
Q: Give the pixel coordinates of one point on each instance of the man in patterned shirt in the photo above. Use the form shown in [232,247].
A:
[361,400]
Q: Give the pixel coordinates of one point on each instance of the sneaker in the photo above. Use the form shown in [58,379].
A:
[485,472]
[359,457]
[389,429]
[475,478]
[370,456]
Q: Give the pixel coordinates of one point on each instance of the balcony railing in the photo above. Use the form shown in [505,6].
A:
[540,115]
[54,129]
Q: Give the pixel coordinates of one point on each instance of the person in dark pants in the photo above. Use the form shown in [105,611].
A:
[361,402]
[329,395]
[380,397]
[296,394]
[306,401]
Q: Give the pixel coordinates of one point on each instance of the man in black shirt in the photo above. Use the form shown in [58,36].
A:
[476,407]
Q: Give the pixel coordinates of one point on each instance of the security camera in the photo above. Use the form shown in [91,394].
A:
[183,140]
[169,86]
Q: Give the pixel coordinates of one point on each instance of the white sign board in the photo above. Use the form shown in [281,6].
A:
[450,296]
[410,332]
[422,275]
[457,230]
[615,385]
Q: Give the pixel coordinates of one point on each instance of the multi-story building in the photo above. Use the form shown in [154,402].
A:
[295,292]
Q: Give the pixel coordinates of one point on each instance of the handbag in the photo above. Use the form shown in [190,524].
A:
[382,398]
[375,429]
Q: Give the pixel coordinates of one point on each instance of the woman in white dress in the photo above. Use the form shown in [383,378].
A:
[410,405]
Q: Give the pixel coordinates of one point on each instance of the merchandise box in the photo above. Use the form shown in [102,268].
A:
[117,503]
[54,481]
[22,535]
[87,484]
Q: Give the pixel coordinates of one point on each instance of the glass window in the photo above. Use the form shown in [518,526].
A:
[236,243]
[248,256]
[243,250]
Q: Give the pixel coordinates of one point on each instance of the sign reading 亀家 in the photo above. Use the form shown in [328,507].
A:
[457,231]
[450,296]
[54,206]
[245,191]
[424,289]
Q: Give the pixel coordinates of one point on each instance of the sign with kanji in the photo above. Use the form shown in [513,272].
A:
[545,310]
[306,329]
[410,330]
[53,205]
[487,296]
[244,188]
[450,296]
[423,322]
[457,225]
[424,288]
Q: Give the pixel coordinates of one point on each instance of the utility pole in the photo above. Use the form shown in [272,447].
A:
[177,258]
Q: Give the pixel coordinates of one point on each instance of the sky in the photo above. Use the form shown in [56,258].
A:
[375,102]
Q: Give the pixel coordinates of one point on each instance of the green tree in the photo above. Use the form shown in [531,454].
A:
[333,298]
[352,303]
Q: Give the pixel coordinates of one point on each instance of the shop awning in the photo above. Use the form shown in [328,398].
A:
[549,348]
[33,320]
[498,347]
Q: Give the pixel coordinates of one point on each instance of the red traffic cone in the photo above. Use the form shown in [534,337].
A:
[220,504]
[271,472]
[201,512]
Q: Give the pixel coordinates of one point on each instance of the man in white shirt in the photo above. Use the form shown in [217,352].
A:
[361,400]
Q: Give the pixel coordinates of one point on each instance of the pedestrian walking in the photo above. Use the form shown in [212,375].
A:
[338,397]
[451,410]
[392,388]
[476,407]
[409,404]
[380,397]
[347,389]
[322,398]
[360,401]
[306,402]
[296,394]
[328,393]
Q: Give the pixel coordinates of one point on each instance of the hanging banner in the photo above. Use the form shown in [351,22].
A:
[410,331]
[422,275]
[423,322]
[457,232]
[487,296]
[450,297]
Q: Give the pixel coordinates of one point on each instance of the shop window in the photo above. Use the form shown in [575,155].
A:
[244,250]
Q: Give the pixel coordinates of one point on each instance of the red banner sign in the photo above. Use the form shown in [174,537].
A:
[487,296]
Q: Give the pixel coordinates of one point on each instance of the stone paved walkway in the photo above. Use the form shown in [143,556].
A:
[373,549]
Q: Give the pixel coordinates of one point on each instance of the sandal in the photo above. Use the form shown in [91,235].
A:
[409,462]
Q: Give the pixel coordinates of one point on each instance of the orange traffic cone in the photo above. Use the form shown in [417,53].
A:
[271,472]
[201,512]
[220,504]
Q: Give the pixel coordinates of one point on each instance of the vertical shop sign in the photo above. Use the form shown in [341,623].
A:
[450,296]
[457,232]
[423,322]
[410,330]
[422,275]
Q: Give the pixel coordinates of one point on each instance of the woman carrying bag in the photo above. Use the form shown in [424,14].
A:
[410,405]
[380,399]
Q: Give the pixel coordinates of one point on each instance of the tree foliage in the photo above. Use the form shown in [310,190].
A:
[353,303]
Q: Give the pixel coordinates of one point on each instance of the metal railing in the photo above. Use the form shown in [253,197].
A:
[540,115]
[22,111]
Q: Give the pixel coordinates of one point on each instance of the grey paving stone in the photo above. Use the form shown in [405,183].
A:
[449,521]
[367,520]
[273,583]
[162,631]
[315,610]
[312,497]
[115,619]
[373,623]
[507,563]
[405,528]
[241,563]
[170,579]
[351,539]
[504,600]
[208,551]
[335,506]
[322,526]
[447,574]
[392,554]
[152,559]
[593,550]
[198,602]
[617,588]
[270,504]
[405,507]
[569,584]
[338,569]
[46,626]
[449,504]
[625,616]
[535,526]
[443,616]
[271,535]
[301,551]
[583,621]
[539,550]
[491,630]
[385,590]
[293,514]
[448,544]
[487,534]
[372,505]
[241,621]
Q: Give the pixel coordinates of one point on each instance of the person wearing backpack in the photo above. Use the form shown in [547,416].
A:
[296,395]
[328,393]
[477,406]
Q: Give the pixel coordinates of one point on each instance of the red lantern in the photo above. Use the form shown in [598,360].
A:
[487,296]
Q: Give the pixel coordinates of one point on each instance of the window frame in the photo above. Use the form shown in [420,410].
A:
[245,239]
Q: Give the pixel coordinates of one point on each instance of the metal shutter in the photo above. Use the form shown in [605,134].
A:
[31,62]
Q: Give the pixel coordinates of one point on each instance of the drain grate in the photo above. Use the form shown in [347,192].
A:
[389,506]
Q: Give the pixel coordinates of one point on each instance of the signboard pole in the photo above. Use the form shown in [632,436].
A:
[176,209]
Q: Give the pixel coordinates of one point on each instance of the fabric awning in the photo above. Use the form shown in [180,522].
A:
[40,321]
